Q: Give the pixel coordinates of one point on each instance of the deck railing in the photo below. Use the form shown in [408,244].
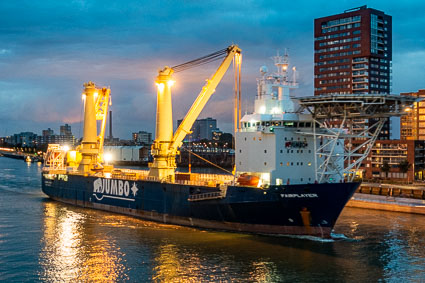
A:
[196,179]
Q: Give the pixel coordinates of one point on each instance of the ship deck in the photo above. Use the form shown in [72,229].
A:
[196,179]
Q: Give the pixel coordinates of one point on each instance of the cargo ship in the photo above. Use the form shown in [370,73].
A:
[273,189]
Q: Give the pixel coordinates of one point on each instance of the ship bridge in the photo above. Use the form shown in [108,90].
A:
[337,120]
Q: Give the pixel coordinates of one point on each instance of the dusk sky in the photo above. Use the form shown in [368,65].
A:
[48,49]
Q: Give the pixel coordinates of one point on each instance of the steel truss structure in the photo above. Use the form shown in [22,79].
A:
[340,144]
[55,157]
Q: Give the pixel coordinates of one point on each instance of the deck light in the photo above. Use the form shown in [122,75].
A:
[107,157]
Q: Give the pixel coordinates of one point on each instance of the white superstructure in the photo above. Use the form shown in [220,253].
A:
[276,143]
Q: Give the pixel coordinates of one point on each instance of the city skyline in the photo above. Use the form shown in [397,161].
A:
[51,49]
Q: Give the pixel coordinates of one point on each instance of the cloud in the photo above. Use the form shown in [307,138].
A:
[50,48]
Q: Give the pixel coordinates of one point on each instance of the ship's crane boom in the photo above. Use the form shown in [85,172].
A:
[165,146]
[204,96]
[102,102]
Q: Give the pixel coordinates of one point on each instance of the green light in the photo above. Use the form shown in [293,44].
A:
[271,129]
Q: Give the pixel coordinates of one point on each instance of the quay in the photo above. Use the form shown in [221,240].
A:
[29,157]
[390,197]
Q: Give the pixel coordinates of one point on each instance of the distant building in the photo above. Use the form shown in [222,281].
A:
[128,153]
[23,139]
[202,129]
[65,137]
[65,130]
[353,54]
[142,138]
[393,152]
[48,132]
[412,125]
[58,139]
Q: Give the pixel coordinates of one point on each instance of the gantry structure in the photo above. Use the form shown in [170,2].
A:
[335,127]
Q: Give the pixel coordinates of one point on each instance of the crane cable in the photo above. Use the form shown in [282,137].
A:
[201,61]
[206,160]
[237,62]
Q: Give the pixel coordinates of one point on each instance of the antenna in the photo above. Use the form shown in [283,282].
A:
[282,63]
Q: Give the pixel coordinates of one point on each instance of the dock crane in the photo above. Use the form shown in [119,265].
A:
[166,144]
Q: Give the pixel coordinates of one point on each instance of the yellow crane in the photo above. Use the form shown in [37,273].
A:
[88,157]
[166,144]
[96,102]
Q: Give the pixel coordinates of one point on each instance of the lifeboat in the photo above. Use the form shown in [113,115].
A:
[248,180]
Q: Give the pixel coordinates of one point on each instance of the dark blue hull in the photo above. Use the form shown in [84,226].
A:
[310,209]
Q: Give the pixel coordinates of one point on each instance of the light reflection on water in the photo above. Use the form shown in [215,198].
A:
[70,252]
[44,240]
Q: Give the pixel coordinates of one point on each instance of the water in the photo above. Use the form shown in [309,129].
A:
[44,240]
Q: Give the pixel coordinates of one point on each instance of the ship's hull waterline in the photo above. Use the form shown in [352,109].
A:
[307,209]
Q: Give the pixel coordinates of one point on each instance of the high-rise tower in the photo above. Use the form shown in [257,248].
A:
[353,53]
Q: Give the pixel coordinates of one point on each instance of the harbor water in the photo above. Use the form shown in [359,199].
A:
[44,240]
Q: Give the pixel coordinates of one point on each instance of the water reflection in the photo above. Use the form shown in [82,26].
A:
[71,251]
[392,244]
[44,240]
[263,271]
[168,267]
[89,245]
